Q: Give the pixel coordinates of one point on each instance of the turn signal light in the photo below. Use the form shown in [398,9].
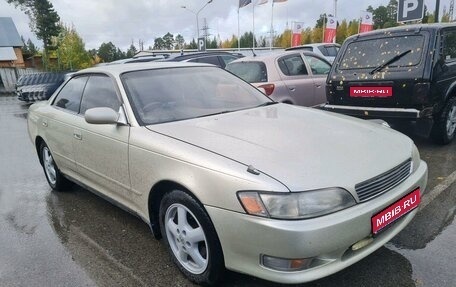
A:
[252,203]
[283,264]
[268,88]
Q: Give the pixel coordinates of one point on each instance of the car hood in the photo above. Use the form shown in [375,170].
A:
[302,148]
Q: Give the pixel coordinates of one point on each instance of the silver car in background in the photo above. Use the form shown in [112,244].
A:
[297,77]
[229,178]
[327,50]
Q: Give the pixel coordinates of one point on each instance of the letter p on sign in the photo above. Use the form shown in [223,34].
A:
[410,5]
[410,10]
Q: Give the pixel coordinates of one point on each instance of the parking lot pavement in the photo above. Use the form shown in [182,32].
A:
[77,239]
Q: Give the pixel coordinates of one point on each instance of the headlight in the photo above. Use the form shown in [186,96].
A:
[295,205]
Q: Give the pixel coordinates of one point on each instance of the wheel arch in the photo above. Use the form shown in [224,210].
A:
[38,141]
[450,93]
[155,196]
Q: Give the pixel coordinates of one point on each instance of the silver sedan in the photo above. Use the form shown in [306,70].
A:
[229,178]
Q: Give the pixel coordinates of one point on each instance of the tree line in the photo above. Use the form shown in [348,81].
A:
[63,43]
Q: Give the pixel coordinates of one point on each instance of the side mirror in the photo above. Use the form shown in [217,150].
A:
[101,116]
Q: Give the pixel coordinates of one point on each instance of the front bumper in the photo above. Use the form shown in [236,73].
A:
[328,239]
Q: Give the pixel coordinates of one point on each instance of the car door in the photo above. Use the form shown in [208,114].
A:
[319,70]
[297,79]
[447,76]
[58,128]
[101,151]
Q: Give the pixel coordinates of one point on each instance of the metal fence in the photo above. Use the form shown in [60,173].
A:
[9,77]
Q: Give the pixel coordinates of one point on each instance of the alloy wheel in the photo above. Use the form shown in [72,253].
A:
[49,166]
[186,238]
[451,121]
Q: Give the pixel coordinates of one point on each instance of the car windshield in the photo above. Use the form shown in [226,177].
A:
[373,53]
[173,94]
[252,72]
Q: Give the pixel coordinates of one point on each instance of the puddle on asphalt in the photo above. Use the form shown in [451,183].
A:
[428,242]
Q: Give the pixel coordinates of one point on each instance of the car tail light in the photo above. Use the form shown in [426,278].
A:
[421,92]
[269,88]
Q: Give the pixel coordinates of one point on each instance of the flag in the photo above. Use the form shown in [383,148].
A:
[243,3]
[367,22]
[297,30]
[261,2]
[298,27]
[330,31]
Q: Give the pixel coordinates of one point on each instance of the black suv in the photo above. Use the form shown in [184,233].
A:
[405,73]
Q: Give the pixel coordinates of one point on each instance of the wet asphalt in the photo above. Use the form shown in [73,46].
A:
[78,239]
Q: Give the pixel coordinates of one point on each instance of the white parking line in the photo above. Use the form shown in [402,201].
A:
[436,191]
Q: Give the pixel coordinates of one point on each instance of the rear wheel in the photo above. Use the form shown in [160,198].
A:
[53,175]
[191,238]
[444,128]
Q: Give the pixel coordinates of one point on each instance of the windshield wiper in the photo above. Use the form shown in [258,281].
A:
[389,62]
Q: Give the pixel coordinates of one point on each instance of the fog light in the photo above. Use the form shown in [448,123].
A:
[362,243]
[282,264]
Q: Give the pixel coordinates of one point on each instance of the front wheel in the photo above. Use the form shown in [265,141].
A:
[53,175]
[444,128]
[191,238]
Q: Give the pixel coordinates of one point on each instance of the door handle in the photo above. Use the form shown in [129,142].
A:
[317,86]
[77,135]
[292,89]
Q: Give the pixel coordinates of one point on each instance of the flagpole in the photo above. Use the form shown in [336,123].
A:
[272,25]
[239,33]
[359,24]
[335,16]
[253,37]
[324,26]
[292,33]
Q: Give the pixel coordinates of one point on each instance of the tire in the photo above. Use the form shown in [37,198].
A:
[53,175]
[444,128]
[190,238]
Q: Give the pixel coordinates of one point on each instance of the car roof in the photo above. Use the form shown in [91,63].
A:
[404,28]
[128,67]
[313,45]
[201,54]
[275,55]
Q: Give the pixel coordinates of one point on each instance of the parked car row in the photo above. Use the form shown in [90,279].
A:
[405,74]
[38,86]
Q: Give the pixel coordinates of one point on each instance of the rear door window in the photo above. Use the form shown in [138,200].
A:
[69,98]
[318,66]
[252,72]
[292,65]
[449,46]
[332,51]
[372,53]
[324,50]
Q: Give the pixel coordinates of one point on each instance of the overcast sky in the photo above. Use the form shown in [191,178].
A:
[121,21]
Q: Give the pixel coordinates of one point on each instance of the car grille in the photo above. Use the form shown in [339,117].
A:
[384,182]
